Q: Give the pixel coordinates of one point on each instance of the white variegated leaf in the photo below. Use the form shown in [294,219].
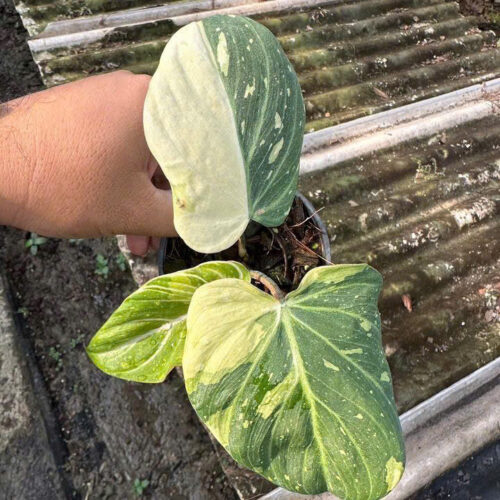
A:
[298,390]
[224,117]
[144,338]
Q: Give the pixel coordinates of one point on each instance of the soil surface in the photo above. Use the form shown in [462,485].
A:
[477,478]
[476,7]
[18,71]
[488,12]
[283,253]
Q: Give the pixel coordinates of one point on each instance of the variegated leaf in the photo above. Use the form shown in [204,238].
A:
[144,338]
[224,117]
[298,390]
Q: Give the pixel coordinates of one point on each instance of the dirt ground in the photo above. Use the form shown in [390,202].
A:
[476,7]
[18,72]
[114,432]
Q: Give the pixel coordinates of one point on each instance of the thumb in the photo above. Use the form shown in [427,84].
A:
[153,213]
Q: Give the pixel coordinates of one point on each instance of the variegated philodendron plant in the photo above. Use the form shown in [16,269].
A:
[296,387]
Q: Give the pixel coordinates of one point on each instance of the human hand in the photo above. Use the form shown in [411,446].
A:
[75,163]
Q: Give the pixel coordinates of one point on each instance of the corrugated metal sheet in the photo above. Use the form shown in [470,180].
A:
[38,15]
[425,214]
[353,58]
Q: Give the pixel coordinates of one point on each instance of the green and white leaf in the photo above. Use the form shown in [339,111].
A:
[144,338]
[298,390]
[224,117]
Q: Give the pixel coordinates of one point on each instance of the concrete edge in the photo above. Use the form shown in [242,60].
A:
[441,432]
[41,404]
[392,117]
[347,141]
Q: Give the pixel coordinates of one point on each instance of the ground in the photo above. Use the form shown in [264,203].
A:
[113,432]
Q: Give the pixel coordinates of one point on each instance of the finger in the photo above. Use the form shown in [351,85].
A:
[155,243]
[150,213]
[152,166]
[138,245]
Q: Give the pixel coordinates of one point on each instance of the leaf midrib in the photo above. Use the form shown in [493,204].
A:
[308,393]
[211,55]
[139,338]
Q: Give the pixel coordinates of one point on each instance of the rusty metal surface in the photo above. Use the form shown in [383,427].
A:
[425,214]
[37,14]
[353,58]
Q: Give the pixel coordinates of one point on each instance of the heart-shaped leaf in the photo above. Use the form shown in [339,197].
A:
[144,338]
[224,118]
[298,390]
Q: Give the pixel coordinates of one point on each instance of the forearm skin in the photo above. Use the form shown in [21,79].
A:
[17,140]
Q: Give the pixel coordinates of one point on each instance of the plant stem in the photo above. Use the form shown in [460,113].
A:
[242,251]
[275,290]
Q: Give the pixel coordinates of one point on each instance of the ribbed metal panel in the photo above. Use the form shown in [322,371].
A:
[37,14]
[425,214]
[353,58]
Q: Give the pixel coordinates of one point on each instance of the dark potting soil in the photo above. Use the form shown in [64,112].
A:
[18,72]
[283,253]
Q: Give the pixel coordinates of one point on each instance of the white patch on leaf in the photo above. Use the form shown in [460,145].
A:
[394,471]
[366,325]
[275,396]
[358,350]
[223,54]
[331,366]
[277,121]
[250,89]
[275,151]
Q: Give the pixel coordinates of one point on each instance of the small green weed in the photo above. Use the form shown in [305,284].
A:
[102,266]
[56,355]
[121,262]
[76,341]
[24,311]
[34,242]
[140,485]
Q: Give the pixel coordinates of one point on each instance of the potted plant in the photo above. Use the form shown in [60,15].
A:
[295,386]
